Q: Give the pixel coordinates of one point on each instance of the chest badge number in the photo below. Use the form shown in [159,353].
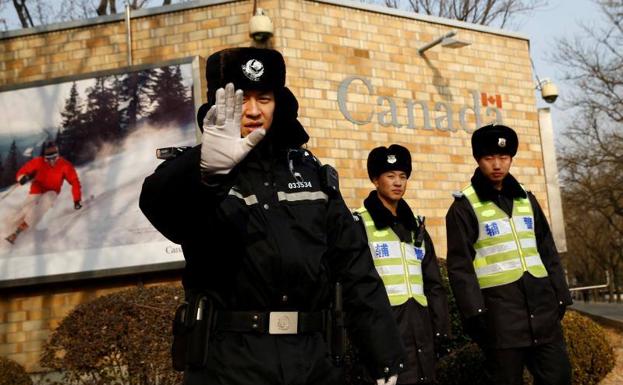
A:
[296,185]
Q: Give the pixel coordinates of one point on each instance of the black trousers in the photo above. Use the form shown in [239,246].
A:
[249,359]
[549,364]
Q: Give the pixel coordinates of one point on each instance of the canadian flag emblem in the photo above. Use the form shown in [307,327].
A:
[489,100]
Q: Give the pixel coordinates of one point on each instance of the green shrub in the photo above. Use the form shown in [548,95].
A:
[12,373]
[591,356]
[120,338]
[590,353]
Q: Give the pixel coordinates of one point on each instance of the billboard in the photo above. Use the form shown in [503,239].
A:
[73,156]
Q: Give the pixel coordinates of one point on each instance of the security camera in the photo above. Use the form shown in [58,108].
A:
[260,26]
[549,91]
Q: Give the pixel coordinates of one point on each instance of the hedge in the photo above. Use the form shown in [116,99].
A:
[124,338]
[12,373]
[120,338]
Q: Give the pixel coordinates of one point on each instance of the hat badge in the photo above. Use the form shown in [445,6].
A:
[253,69]
[391,159]
[502,142]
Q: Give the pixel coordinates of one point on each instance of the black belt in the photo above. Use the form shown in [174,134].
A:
[275,322]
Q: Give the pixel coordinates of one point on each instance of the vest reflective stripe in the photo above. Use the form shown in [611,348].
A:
[399,264]
[284,196]
[302,196]
[506,247]
[396,270]
[248,200]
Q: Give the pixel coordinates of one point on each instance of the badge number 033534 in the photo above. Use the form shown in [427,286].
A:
[294,185]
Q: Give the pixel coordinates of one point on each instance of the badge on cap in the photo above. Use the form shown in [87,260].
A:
[502,142]
[253,70]
[391,159]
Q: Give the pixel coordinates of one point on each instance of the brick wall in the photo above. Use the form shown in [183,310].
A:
[323,44]
[335,42]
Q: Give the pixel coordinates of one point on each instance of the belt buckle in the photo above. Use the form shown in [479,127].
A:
[283,322]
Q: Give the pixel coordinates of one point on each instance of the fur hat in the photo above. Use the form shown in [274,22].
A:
[249,68]
[494,139]
[383,159]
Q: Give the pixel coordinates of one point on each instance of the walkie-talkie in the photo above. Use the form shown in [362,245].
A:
[420,232]
[166,153]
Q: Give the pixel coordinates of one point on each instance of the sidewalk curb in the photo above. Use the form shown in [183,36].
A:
[604,321]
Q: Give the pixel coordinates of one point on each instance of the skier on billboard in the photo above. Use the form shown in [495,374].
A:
[47,173]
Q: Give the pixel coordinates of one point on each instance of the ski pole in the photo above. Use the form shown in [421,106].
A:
[9,191]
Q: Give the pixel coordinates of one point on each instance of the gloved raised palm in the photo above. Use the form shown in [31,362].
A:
[222,148]
[390,381]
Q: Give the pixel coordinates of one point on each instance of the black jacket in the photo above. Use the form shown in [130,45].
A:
[266,237]
[519,314]
[418,324]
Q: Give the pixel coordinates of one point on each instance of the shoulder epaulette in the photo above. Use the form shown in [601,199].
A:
[458,194]
[308,156]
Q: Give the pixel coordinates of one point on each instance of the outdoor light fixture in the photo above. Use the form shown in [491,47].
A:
[447,40]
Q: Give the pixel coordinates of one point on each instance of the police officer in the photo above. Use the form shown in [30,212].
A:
[404,257]
[504,269]
[265,235]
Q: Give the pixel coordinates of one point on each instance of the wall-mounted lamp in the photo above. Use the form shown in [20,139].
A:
[448,40]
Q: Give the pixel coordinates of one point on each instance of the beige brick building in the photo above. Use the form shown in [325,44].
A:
[360,82]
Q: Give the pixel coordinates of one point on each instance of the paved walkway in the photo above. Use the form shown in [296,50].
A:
[610,313]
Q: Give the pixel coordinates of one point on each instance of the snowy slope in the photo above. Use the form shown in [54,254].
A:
[109,231]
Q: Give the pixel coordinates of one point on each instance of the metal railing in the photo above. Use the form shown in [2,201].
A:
[579,288]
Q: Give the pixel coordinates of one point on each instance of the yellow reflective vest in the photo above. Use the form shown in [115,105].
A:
[506,247]
[399,264]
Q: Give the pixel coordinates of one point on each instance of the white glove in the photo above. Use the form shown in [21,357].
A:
[390,381]
[222,148]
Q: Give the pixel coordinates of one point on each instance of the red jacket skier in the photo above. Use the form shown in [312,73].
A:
[47,173]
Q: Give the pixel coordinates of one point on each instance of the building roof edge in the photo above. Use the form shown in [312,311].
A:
[417,16]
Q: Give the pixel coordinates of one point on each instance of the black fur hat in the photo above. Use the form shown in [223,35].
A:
[494,139]
[383,159]
[249,68]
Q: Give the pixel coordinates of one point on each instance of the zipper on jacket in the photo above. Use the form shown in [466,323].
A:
[521,256]
[403,259]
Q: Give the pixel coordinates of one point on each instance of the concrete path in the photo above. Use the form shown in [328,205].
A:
[610,313]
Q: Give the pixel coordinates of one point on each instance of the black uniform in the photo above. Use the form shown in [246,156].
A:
[517,323]
[417,324]
[267,237]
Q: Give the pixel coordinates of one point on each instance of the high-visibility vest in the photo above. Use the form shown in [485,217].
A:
[506,247]
[399,264]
